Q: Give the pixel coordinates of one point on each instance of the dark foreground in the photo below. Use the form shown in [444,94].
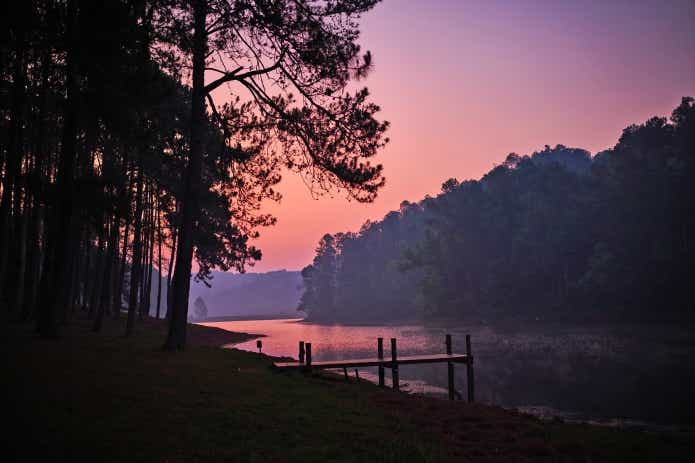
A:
[108,398]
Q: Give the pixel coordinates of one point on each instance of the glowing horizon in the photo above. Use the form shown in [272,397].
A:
[464,83]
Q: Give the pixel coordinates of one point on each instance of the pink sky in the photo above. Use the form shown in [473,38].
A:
[464,83]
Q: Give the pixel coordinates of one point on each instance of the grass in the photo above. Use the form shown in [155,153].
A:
[103,397]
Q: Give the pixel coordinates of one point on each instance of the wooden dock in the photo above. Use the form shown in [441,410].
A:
[375,361]
[305,363]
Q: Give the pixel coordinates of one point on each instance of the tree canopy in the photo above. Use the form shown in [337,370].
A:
[117,161]
[557,234]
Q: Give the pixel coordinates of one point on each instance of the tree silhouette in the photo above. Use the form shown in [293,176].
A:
[277,48]
[118,168]
[554,235]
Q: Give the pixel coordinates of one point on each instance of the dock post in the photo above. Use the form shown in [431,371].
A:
[394,366]
[380,354]
[450,367]
[469,370]
[301,351]
[307,346]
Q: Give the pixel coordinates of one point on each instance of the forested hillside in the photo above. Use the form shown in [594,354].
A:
[557,234]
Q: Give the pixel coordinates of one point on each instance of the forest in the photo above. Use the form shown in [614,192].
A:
[117,159]
[555,235]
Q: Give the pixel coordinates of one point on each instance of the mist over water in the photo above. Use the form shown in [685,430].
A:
[616,374]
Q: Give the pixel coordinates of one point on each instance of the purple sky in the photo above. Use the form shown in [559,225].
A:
[466,82]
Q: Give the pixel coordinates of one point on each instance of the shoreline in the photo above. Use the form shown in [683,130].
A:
[556,415]
[242,318]
[540,409]
[122,386]
[218,337]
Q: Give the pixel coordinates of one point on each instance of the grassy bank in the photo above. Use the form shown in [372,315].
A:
[103,397]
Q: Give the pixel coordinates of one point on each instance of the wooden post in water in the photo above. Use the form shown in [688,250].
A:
[450,367]
[469,370]
[301,351]
[394,366]
[307,346]
[380,354]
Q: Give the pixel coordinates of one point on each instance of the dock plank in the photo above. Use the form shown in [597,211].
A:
[375,361]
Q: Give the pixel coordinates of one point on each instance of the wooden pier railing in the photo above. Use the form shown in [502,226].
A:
[450,358]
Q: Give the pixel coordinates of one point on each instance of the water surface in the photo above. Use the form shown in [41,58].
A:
[614,374]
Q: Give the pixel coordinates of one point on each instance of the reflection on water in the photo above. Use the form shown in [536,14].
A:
[643,373]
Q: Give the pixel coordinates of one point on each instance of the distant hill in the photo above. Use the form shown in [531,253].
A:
[262,294]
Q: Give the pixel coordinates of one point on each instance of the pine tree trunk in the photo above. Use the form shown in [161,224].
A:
[150,264]
[172,257]
[149,238]
[87,283]
[35,251]
[95,295]
[22,261]
[74,288]
[143,264]
[113,283]
[14,157]
[159,260]
[57,276]
[176,338]
[107,285]
[135,269]
[118,297]
[34,270]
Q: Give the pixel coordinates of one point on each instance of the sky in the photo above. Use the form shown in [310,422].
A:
[464,83]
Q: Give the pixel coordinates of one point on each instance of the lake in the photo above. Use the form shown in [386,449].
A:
[622,375]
